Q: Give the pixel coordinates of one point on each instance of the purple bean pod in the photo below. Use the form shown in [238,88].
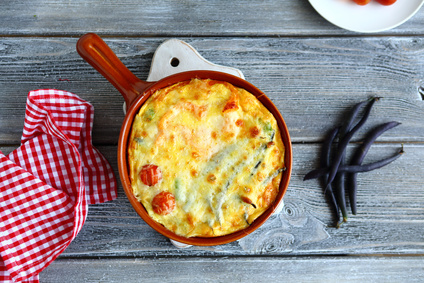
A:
[325,162]
[359,156]
[345,141]
[360,168]
[340,181]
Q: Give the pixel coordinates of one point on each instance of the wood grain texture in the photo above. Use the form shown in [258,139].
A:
[173,18]
[268,269]
[390,217]
[312,70]
[312,81]
[389,220]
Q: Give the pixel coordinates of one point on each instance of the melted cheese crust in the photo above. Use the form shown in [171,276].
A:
[220,153]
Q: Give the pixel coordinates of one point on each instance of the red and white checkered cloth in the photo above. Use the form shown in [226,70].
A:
[47,183]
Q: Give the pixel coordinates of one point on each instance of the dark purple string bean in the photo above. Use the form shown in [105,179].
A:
[345,141]
[359,156]
[317,173]
[339,182]
[325,162]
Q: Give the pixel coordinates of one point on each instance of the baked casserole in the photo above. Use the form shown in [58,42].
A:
[205,158]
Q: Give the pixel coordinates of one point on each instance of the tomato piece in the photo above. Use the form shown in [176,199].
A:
[362,2]
[163,203]
[150,174]
[386,2]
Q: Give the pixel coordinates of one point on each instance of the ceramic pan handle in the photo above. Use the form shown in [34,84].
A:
[99,55]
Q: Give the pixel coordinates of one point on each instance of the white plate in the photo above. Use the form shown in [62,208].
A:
[373,17]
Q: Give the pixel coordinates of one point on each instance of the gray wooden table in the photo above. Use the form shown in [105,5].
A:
[313,71]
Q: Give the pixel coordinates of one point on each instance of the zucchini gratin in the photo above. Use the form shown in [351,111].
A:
[205,158]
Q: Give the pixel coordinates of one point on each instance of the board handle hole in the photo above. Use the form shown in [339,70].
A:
[175,62]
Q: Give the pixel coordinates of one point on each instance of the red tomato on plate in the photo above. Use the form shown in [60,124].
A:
[163,203]
[362,2]
[386,2]
[150,174]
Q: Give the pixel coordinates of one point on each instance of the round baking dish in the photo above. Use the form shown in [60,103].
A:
[135,92]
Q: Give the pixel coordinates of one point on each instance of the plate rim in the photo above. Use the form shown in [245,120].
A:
[319,11]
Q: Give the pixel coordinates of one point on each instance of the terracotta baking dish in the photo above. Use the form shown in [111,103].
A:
[135,92]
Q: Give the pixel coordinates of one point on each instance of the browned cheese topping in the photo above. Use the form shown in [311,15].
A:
[205,158]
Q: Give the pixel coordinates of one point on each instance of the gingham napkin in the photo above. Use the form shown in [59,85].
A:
[47,183]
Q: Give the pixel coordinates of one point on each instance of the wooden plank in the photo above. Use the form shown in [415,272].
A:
[173,18]
[262,269]
[389,220]
[312,81]
[311,69]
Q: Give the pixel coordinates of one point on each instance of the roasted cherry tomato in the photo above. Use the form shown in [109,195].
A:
[386,2]
[150,174]
[362,2]
[163,203]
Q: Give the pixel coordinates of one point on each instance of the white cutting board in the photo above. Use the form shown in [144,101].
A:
[176,52]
